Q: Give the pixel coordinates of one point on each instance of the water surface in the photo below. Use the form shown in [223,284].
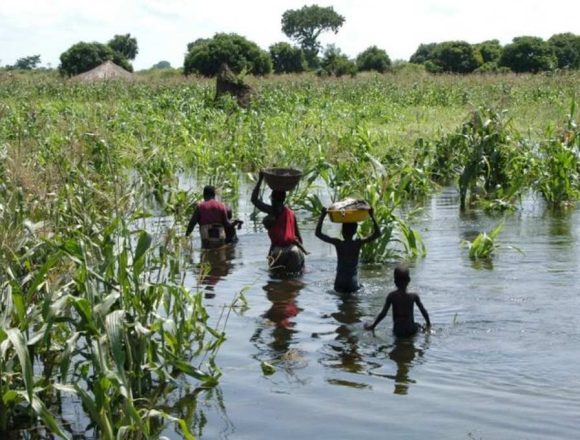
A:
[502,361]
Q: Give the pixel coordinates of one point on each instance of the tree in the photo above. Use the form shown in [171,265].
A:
[456,57]
[336,63]
[162,65]
[305,26]
[373,58]
[206,56]
[567,50]
[125,45]
[27,63]
[83,56]
[423,53]
[287,59]
[489,50]
[528,54]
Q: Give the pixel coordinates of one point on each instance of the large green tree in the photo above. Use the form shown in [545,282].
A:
[334,62]
[567,50]
[373,58]
[287,59]
[125,45]
[205,56]
[423,53]
[489,50]
[528,54]
[83,56]
[455,57]
[305,25]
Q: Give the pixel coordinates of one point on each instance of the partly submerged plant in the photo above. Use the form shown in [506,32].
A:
[484,245]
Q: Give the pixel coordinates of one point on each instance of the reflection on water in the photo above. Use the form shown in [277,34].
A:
[405,354]
[215,265]
[276,331]
[343,352]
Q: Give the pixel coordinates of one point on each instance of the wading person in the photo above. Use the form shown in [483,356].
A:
[231,234]
[403,303]
[286,253]
[212,217]
[347,252]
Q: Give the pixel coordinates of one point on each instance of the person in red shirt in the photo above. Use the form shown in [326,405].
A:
[286,254]
[212,217]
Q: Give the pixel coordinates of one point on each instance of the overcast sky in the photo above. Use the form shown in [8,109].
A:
[164,27]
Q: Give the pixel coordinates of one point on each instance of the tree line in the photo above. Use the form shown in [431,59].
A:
[304,26]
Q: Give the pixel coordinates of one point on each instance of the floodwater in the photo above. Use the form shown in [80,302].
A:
[502,361]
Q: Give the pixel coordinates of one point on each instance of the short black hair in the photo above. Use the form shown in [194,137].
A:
[208,192]
[402,277]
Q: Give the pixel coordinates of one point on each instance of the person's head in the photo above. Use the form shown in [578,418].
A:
[278,197]
[348,230]
[402,277]
[208,192]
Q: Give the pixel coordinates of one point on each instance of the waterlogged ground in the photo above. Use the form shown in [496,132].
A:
[502,361]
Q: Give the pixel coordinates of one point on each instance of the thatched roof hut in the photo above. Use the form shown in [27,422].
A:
[107,70]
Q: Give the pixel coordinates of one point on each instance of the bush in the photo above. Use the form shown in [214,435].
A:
[83,56]
[456,57]
[528,54]
[373,58]
[287,59]
[567,50]
[491,67]
[241,55]
[336,63]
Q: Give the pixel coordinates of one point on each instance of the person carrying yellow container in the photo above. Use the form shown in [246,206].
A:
[347,250]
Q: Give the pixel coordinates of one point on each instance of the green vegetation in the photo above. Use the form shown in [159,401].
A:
[92,296]
[287,59]
[305,25]
[484,245]
[524,54]
[125,45]
[205,56]
[373,58]
[82,57]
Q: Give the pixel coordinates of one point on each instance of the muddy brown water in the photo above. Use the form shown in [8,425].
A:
[501,363]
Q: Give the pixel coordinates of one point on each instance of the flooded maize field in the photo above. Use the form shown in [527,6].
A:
[501,361]
[113,324]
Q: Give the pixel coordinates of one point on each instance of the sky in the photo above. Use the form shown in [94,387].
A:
[164,27]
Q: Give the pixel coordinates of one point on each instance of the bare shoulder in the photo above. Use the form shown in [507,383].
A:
[415,296]
[391,294]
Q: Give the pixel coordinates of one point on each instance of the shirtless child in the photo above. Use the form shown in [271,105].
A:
[403,303]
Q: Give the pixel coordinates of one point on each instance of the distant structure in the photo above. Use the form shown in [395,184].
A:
[106,71]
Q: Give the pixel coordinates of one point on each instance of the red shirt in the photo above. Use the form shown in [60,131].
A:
[283,233]
[212,211]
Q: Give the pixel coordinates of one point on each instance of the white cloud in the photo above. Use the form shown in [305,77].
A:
[164,27]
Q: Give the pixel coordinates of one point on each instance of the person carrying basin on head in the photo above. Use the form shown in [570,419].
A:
[212,217]
[286,255]
[347,251]
[403,303]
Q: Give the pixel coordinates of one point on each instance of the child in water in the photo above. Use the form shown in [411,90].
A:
[403,303]
[347,252]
